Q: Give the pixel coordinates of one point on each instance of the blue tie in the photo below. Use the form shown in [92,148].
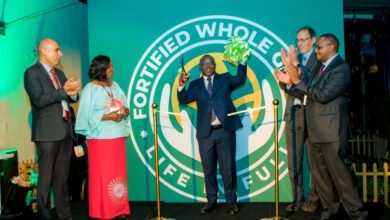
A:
[303,60]
[210,91]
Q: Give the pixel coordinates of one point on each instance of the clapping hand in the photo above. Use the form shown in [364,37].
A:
[72,86]
[282,77]
[290,61]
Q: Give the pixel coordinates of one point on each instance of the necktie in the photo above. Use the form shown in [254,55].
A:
[55,80]
[210,91]
[57,85]
[320,71]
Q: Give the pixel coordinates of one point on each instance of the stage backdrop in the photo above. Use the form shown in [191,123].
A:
[146,40]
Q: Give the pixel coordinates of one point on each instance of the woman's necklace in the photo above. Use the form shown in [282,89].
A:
[109,93]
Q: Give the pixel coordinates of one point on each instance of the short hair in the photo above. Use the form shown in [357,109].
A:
[309,29]
[332,39]
[206,56]
[98,68]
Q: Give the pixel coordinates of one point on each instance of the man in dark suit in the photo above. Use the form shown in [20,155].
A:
[50,93]
[216,132]
[327,122]
[296,129]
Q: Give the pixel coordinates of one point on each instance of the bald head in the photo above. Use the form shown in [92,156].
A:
[49,52]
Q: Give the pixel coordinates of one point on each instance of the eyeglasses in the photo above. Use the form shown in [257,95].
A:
[204,63]
[320,47]
[302,40]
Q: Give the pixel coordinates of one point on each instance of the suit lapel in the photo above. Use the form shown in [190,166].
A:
[203,86]
[329,67]
[216,83]
[311,62]
[300,58]
[313,76]
[45,75]
[314,79]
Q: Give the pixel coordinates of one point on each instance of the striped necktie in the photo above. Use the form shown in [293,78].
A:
[54,77]
[58,85]
[210,91]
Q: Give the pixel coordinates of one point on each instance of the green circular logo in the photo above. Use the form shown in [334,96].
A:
[155,80]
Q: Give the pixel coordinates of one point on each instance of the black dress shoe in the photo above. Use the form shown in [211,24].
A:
[120,217]
[209,207]
[326,215]
[232,209]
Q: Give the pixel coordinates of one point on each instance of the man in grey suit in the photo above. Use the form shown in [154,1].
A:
[216,132]
[50,93]
[296,129]
[326,111]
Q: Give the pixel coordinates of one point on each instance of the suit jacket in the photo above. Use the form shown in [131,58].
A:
[47,121]
[327,106]
[310,65]
[220,101]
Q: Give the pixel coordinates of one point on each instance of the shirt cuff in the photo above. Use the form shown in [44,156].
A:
[180,88]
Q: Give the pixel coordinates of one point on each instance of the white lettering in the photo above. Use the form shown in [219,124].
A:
[146,72]
[170,45]
[265,44]
[142,85]
[206,28]
[243,29]
[279,165]
[150,64]
[162,159]
[276,60]
[179,38]
[149,152]
[136,100]
[247,181]
[160,48]
[264,176]
[183,180]
[170,170]
[137,114]
[251,38]
[222,29]
[156,58]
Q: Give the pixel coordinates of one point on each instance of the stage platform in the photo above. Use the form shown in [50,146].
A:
[190,211]
[248,211]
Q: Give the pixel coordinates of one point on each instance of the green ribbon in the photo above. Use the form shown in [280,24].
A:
[237,50]
[33,177]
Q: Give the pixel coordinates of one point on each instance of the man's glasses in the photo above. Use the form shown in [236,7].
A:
[204,63]
[303,40]
[322,46]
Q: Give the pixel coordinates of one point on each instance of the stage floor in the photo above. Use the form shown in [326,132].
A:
[248,211]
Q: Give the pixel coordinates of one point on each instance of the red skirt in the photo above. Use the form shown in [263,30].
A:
[107,183]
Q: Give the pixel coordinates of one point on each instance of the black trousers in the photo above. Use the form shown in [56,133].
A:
[219,147]
[53,164]
[336,181]
[295,140]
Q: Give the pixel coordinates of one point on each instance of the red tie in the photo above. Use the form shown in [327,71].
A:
[66,115]
[57,85]
[321,70]
[55,80]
